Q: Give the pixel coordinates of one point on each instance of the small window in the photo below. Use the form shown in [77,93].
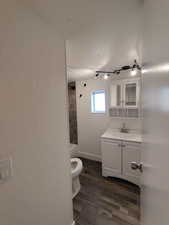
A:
[98,102]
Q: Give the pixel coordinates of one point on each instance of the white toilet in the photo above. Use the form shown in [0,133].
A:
[76,169]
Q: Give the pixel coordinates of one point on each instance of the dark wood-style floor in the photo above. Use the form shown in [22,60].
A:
[105,201]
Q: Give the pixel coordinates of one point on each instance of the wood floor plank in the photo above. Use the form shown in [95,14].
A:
[105,201]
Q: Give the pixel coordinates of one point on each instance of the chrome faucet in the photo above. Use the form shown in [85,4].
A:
[124,129]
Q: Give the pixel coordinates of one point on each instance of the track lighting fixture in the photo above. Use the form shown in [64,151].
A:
[133,68]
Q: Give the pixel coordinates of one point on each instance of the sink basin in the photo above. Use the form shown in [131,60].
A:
[111,134]
[124,130]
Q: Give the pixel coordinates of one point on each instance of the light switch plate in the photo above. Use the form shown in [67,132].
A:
[5,170]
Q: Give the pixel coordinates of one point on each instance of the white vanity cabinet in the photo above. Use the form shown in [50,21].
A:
[131,153]
[111,156]
[117,156]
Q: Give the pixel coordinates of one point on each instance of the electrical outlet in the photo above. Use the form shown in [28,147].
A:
[5,170]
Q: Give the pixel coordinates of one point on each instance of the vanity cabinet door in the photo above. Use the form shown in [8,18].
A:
[111,156]
[131,153]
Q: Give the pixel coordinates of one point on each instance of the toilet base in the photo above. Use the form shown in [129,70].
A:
[75,186]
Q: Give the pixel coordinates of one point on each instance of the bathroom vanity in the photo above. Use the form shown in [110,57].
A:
[118,151]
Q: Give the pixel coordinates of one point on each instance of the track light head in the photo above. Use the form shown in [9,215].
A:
[126,68]
[136,65]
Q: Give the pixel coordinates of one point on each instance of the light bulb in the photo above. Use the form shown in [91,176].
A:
[165,67]
[106,76]
[143,71]
[133,72]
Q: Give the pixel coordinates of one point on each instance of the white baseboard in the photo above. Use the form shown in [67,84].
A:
[89,156]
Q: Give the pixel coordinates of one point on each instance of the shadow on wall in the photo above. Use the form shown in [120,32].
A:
[72,113]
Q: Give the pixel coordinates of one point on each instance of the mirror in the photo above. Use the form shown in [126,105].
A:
[130,94]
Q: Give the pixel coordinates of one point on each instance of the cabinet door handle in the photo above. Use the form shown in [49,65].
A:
[137,166]
[123,146]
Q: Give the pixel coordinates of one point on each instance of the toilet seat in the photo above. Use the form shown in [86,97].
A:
[76,169]
[76,166]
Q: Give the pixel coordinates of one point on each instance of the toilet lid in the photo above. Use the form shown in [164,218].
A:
[76,166]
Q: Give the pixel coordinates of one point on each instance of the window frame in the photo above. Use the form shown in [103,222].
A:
[92,101]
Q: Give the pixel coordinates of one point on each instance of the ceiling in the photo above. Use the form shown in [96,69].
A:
[100,34]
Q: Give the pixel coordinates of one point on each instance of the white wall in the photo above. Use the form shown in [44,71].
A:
[155,159]
[33,121]
[90,125]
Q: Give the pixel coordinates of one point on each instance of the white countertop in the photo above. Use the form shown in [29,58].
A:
[117,135]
